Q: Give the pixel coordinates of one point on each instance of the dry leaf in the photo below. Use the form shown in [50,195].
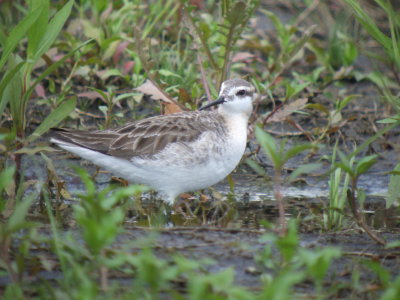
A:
[40,91]
[171,108]
[149,88]
[119,51]
[92,95]
[243,56]
[287,110]
[127,67]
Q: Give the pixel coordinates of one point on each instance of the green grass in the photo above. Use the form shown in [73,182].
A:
[73,47]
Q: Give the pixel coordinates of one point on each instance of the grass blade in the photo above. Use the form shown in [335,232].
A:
[54,118]
[3,84]
[53,29]
[18,33]
[54,66]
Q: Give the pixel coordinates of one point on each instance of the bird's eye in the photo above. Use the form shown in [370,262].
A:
[241,93]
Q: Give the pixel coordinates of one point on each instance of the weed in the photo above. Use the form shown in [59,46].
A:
[338,185]
[279,157]
[390,44]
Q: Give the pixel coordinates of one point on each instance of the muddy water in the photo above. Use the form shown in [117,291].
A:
[245,206]
[229,228]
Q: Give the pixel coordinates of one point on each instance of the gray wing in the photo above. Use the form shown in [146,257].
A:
[145,137]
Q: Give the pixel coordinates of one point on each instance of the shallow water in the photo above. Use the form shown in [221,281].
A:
[251,202]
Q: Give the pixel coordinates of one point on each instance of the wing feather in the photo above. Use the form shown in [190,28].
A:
[145,137]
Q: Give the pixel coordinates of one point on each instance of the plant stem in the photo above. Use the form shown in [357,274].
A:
[351,196]
[5,255]
[279,200]
[103,278]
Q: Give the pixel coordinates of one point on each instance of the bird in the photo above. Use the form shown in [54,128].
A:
[174,153]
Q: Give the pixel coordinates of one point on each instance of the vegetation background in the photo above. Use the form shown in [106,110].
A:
[327,77]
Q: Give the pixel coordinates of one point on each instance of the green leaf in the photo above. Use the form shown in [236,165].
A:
[369,24]
[17,219]
[295,150]
[237,14]
[279,288]
[9,76]
[269,146]
[293,89]
[53,29]
[390,120]
[345,160]
[54,118]
[304,169]
[18,33]
[168,73]
[393,194]
[50,69]
[36,32]
[374,137]
[350,53]
[343,103]
[345,168]
[393,244]
[289,244]
[364,164]
[318,262]
[255,166]
[6,178]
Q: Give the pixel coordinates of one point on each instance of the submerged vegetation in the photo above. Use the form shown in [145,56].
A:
[327,77]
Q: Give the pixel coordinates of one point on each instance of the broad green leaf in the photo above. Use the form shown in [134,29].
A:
[34,150]
[369,24]
[17,219]
[346,168]
[350,53]
[13,93]
[374,137]
[122,193]
[168,73]
[280,287]
[9,76]
[17,33]
[393,244]
[256,167]
[54,118]
[268,144]
[304,169]
[390,120]
[318,261]
[344,159]
[36,32]
[53,29]
[289,244]
[104,95]
[297,149]
[293,89]
[393,194]
[364,164]
[343,103]
[6,177]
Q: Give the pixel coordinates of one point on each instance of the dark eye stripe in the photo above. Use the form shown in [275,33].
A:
[241,93]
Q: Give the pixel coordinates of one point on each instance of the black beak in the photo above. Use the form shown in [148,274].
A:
[219,100]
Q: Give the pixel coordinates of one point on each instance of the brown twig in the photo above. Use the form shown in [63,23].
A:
[103,278]
[305,13]
[351,197]
[203,77]
[280,201]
